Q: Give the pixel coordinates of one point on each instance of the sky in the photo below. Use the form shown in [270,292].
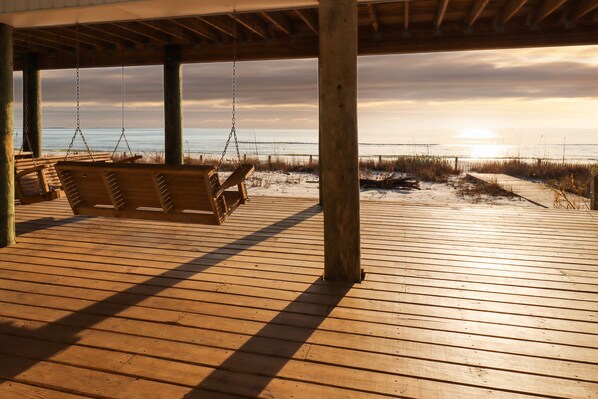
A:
[528,88]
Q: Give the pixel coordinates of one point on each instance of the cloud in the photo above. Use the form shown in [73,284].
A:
[276,92]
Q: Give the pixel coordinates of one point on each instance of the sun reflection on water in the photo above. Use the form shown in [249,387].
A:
[481,143]
[483,151]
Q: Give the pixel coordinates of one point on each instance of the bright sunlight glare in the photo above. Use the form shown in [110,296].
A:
[476,134]
[487,151]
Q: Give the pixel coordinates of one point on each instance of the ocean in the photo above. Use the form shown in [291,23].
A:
[573,145]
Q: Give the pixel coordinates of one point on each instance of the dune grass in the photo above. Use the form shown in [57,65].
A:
[425,168]
[569,177]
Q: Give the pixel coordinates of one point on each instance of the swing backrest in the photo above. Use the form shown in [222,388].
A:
[184,193]
[27,163]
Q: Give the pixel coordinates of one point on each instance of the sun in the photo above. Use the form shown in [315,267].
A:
[476,134]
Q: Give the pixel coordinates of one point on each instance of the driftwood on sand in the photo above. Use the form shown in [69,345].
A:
[388,182]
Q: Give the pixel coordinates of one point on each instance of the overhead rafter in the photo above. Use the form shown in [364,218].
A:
[251,23]
[139,30]
[310,20]
[62,35]
[545,8]
[406,19]
[48,42]
[279,21]
[223,25]
[442,6]
[509,11]
[374,17]
[115,33]
[585,7]
[175,31]
[292,33]
[475,12]
[32,46]
[197,27]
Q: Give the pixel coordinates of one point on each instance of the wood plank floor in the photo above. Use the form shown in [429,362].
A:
[458,302]
[536,193]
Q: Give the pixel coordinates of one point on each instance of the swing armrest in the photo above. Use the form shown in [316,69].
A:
[28,171]
[129,159]
[236,178]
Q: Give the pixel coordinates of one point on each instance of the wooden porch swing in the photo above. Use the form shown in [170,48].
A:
[36,179]
[181,193]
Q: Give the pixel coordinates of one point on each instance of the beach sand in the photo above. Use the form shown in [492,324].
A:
[306,185]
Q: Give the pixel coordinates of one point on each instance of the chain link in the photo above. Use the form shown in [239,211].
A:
[123,89]
[78,97]
[233,130]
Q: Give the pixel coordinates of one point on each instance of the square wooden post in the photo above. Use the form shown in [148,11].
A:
[594,193]
[339,166]
[7,182]
[32,110]
[173,116]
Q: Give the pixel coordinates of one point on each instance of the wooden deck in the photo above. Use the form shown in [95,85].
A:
[473,302]
[536,193]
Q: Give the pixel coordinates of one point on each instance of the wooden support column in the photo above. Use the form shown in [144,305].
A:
[32,110]
[173,116]
[338,139]
[7,183]
[594,193]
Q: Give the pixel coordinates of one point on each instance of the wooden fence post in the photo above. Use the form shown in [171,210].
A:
[594,193]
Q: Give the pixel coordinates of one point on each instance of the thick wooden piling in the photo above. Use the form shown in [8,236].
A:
[32,106]
[339,164]
[173,116]
[7,187]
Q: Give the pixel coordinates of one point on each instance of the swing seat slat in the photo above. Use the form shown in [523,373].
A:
[178,193]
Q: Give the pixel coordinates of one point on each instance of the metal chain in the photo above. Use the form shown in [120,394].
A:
[123,89]
[233,130]
[25,108]
[78,106]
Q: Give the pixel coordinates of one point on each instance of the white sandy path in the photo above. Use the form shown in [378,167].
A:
[306,185]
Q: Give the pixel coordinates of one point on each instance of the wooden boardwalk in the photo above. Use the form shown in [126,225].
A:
[536,193]
[458,302]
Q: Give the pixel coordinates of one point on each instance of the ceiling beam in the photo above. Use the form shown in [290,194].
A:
[222,25]
[308,17]
[279,21]
[509,11]
[147,34]
[34,47]
[307,47]
[48,41]
[374,17]
[62,35]
[197,27]
[585,7]
[545,8]
[252,24]
[442,6]
[176,32]
[406,18]
[114,33]
[476,10]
